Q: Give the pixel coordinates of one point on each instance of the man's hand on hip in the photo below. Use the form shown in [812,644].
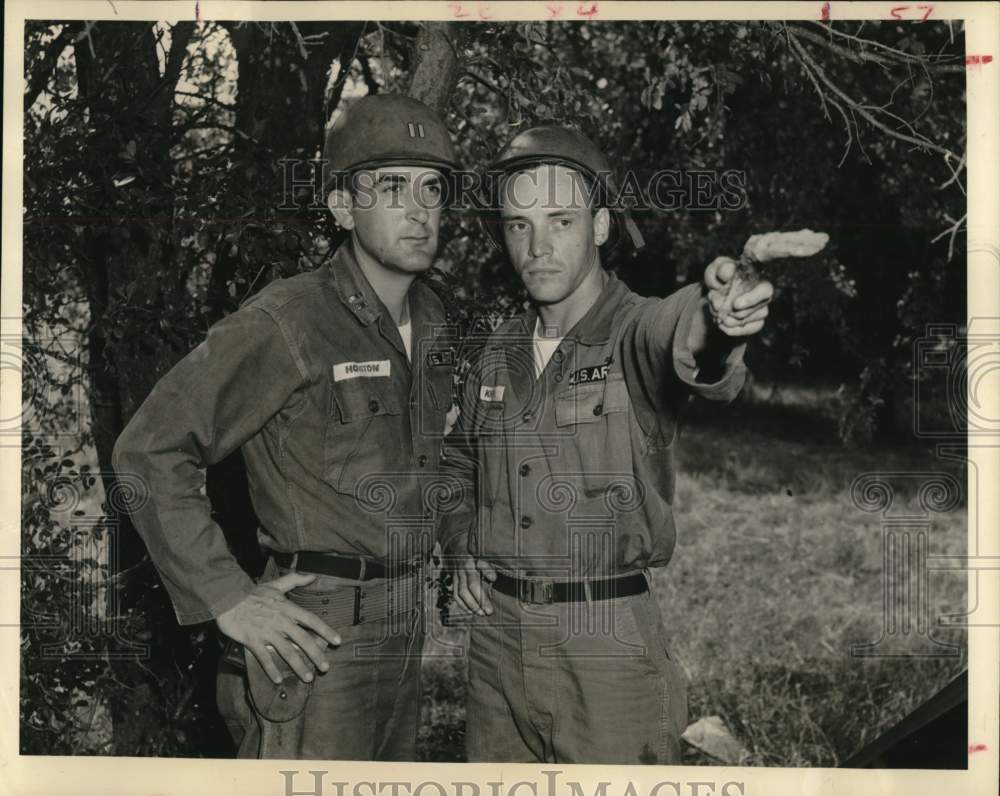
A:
[266,621]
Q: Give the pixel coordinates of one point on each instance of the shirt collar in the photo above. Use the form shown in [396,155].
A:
[353,287]
[594,328]
[357,294]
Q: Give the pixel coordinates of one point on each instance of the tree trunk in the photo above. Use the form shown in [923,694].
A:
[437,64]
[280,78]
[129,108]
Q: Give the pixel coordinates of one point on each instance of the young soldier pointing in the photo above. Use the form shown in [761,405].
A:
[329,383]
[564,447]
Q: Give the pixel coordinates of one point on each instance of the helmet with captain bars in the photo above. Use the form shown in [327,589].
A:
[386,130]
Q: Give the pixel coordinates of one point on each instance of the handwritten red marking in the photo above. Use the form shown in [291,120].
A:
[589,13]
[554,11]
[825,13]
[484,12]
[197,11]
[977,60]
[456,10]
[897,12]
[976,747]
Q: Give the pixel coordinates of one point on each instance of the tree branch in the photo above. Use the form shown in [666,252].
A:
[437,61]
[40,77]
[825,101]
[855,107]
[224,105]
[955,172]
[861,57]
[483,81]
[892,54]
[951,232]
[299,41]
[186,128]
[366,72]
[180,35]
[346,59]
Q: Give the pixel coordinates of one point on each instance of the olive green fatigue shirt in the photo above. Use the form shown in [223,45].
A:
[572,472]
[340,432]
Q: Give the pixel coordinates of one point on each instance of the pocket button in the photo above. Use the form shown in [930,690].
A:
[373,406]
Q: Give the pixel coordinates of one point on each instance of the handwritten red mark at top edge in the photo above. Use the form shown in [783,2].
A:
[590,13]
[197,11]
[824,14]
[977,60]
[554,11]
[896,13]
[976,747]
[484,12]
[456,10]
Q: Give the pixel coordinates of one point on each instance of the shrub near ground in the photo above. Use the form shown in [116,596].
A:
[776,575]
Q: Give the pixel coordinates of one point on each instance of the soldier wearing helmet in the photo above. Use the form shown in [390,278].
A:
[335,387]
[564,448]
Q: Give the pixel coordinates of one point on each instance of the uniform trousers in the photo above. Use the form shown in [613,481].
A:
[574,682]
[366,707]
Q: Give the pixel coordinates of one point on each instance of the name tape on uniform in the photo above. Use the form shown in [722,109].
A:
[491,393]
[587,375]
[439,358]
[378,368]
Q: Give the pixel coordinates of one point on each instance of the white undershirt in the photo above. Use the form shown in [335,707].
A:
[406,332]
[544,347]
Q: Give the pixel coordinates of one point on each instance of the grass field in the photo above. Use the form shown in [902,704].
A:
[777,573]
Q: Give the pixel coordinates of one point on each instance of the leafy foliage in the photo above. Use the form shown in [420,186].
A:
[156,201]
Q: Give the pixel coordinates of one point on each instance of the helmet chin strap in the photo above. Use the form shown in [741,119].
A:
[632,230]
[595,261]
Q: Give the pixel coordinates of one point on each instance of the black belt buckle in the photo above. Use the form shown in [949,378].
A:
[526,591]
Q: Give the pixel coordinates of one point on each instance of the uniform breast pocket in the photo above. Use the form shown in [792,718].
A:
[592,420]
[362,433]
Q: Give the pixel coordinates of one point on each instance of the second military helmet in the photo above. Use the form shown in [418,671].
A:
[386,130]
[567,147]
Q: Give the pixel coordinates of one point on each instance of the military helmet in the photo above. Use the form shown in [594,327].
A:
[386,130]
[570,148]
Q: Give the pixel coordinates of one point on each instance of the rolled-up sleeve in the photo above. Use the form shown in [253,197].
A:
[733,372]
[207,406]
[660,366]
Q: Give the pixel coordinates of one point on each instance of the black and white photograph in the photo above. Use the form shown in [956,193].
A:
[559,383]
